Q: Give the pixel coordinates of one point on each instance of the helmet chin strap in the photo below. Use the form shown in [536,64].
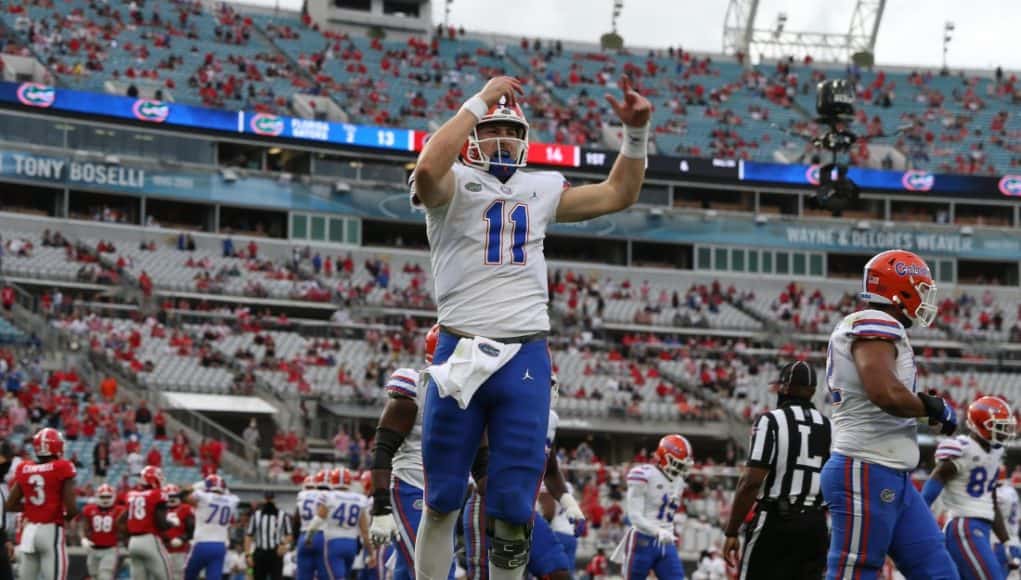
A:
[502,170]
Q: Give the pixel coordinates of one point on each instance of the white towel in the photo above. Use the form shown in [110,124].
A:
[27,545]
[473,361]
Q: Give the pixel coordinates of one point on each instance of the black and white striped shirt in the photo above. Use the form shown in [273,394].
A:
[793,443]
[268,526]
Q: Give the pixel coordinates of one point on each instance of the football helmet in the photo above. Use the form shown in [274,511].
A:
[901,278]
[431,339]
[321,479]
[339,478]
[48,443]
[151,477]
[214,483]
[505,111]
[173,493]
[673,456]
[366,479]
[992,419]
[309,482]
[105,496]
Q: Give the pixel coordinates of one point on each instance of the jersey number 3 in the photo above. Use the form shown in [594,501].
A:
[494,216]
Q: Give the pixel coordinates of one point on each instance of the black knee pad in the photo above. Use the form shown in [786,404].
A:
[509,544]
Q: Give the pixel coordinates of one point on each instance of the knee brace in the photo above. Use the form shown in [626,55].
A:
[509,544]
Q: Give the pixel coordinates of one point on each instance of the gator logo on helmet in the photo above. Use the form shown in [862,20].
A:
[1010,185]
[150,110]
[812,174]
[263,124]
[36,95]
[903,269]
[918,180]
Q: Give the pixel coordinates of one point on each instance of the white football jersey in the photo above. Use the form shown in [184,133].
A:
[970,493]
[407,461]
[860,428]
[345,510]
[306,503]
[561,524]
[1010,508]
[486,247]
[652,499]
[213,515]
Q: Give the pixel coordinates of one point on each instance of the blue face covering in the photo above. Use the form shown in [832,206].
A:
[502,172]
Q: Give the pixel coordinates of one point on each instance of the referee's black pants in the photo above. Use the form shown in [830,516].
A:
[788,546]
[6,573]
[267,564]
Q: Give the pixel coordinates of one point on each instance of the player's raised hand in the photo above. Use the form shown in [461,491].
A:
[634,110]
[497,87]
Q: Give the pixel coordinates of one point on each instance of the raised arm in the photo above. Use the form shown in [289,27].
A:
[621,187]
[433,179]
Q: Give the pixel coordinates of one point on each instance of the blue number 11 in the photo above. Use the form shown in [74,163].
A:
[494,233]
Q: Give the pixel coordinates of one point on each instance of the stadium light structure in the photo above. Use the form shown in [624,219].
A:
[618,7]
[948,35]
[741,36]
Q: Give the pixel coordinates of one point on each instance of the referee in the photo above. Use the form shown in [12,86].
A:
[269,529]
[787,538]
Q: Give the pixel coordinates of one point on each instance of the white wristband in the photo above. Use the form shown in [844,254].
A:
[476,106]
[634,144]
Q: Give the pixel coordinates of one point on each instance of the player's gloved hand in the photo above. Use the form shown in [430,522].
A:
[86,543]
[382,529]
[173,519]
[571,507]
[1014,553]
[176,542]
[939,411]
[665,537]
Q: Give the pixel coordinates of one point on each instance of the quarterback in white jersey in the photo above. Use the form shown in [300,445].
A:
[653,497]
[870,373]
[343,516]
[215,510]
[1008,553]
[965,476]
[486,219]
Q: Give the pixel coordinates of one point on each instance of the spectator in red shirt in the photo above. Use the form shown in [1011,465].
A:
[598,565]
[160,425]
[154,457]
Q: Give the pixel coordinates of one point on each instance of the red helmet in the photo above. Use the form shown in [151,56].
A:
[152,477]
[991,419]
[673,456]
[339,478]
[901,278]
[431,339]
[505,111]
[320,479]
[173,493]
[48,443]
[105,495]
[214,483]
[366,479]
[309,482]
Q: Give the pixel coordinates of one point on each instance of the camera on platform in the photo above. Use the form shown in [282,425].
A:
[834,102]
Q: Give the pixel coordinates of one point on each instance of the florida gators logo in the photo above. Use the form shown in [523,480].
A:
[1010,185]
[263,124]
[915,180]
[150,110]
[812,174]
[36,95]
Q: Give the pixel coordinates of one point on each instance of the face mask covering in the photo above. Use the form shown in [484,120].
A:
[502,172]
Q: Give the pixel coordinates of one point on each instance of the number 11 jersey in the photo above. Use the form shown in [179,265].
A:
[970,493]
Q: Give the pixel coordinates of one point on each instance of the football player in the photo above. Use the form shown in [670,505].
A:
[177,538]
[145,518]
[215,509]
[653,497]
[875,511]
[43,490]
[310,560]
[344,519]
[486,219]
[965,476]
[1008,553]
[99,539]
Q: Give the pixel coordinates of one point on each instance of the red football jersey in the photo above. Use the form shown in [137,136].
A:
[101,524]
[183,511]
[141,508]
[42,485]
